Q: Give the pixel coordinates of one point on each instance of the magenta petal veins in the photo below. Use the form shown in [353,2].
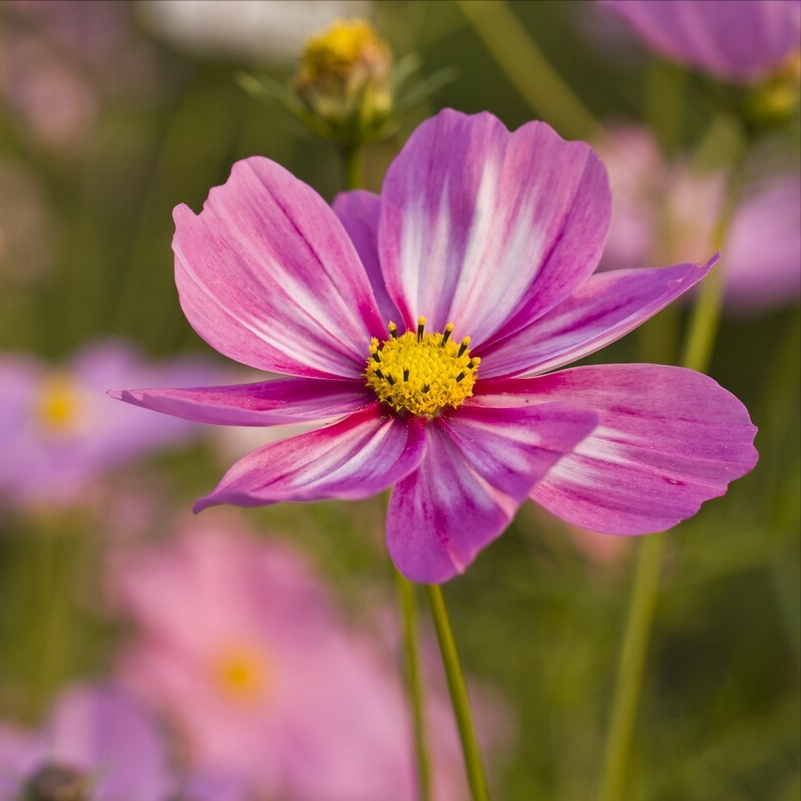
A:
[356,458]
[267,275]
[667,439]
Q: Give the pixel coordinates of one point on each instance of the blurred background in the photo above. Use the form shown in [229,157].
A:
[113,113]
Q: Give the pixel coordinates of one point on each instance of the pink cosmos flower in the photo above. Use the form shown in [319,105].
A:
[94,738]
[238,642]
[736,40]
[427,324]
[58,432]
[660,209]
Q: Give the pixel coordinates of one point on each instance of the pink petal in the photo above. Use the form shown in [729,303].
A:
[763,250]
[267,275]
[359,211]
[102,731]
[480,465]
[604,308]
[489,229]
[667,440]
[738,40]
[265,403]
[354,458]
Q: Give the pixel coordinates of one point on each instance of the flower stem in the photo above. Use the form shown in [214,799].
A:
[697,356]
[631,667]
[458,692]
[527,68]
[406,594]
[352,166]
[664,103]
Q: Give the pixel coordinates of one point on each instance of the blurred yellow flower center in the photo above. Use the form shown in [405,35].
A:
[340,47]
[242,674]
[421,373]
[59,405]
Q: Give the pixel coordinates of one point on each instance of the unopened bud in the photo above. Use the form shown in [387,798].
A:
[775,100]
[344,78]
[53,782]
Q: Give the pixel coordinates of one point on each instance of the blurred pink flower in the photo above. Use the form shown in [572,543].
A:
[95,735]
[59,431]
[239,642]
[661,209]
[61,59]
[737,40]
[26,226]
[478,231]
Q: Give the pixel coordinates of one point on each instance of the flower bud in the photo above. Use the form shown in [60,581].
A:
[53,782]
[775,100]
[345,79]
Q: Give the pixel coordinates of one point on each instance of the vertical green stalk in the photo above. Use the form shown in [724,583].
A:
[458,692]
[527,68]
[664,103]
[406,594]
[631,667]
[352,166]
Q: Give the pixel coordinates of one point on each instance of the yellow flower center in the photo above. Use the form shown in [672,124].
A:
[242,674]
[59,405]
[338,49]
[421,373]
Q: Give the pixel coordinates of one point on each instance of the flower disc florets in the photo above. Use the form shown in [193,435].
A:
[421,373]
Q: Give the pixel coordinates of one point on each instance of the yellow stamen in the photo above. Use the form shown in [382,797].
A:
[242,674]
[421,373]
[59,405]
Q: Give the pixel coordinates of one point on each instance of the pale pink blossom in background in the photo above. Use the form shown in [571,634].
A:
[59,431]
[736,40]
[239,642]
[662,208]
[98,732]
[60,60]
[26,226]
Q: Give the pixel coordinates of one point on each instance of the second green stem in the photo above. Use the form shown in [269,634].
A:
[406,594]
[458,692]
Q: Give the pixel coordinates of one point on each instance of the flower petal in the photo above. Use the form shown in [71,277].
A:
[352,459]
[763,248]
[267,275]
[359,211]
[480,465]
[668,439]
[739,40]
[264,403]
[489,229]
[102,731]
[604,308]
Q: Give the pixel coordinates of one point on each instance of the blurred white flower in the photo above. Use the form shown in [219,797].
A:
[268,30]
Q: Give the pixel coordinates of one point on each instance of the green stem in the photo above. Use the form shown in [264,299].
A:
[458,692]
[664,103]
[705,318]
[406,594]
[631,667]
[527,68]
[352,166]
